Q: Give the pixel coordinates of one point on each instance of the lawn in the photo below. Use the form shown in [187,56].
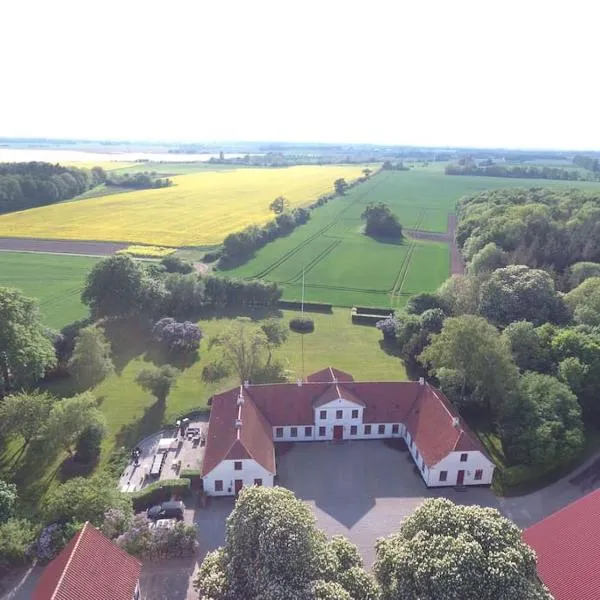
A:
[198,209]
[55,280]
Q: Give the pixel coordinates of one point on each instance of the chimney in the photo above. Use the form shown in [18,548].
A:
[299,382]
[240,400]
[455,422]
[246,384]
[421,380]
[238,423]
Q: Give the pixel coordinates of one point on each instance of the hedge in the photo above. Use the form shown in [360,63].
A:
[158,492]
[308,306]
[383,312]
[365,319]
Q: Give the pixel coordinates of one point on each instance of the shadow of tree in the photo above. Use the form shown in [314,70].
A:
[180,360]
[129,338]
[71,467]
[151,422]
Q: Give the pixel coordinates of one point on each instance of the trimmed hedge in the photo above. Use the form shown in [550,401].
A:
[365,319]
[189,473]
[300,325]
[384,312]
[158,492]
[308,306]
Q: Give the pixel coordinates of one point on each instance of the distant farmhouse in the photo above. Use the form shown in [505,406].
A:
[246,422]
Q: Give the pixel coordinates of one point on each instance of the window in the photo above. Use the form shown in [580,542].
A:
[353,429]
[443,475]
[323,414]
[279,432]
[307,431]
[381,429]
[355,414]
[258,482]
[423,465]
[416,455]
[412,444]
[293,432]
[463,457]
[218,485]
[339,414]
[322,431]
[478,474]
[367,430]
[237,465]
[395,428]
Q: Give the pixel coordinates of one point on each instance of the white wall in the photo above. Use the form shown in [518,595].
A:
[225,471]
[452,464]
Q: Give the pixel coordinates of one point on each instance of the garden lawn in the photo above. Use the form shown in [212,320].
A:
[55,280]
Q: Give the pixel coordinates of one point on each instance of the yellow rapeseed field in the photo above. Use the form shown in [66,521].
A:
[199,209]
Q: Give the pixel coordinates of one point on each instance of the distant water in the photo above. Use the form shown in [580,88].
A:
[73,156]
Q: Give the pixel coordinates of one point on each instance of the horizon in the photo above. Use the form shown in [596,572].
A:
[464,75]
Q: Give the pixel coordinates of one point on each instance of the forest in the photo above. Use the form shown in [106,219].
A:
[516,171]
[515,341]
[30,184]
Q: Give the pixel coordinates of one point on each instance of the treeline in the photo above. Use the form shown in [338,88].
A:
[516,171]
[587,162]
[26,185]
[137,181]
[548,228]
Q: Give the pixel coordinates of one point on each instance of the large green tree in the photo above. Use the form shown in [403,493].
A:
[90,362]
[488,259]
[25,414]
[473,363]
[584,301]
[274,551]
[542,425]
[157,380]
[25,351]
[448,552]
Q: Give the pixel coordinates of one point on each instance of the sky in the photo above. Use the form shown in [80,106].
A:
[425,72]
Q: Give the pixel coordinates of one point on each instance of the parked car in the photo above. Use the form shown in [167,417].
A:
[167,510]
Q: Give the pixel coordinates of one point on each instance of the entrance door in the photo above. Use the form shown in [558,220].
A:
[460,478]
[338,432]
[238,486]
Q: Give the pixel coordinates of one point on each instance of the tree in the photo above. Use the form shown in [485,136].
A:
[25,414]
[367,172]
[524,342]
[584,301]
[460,295]
[8,500]
[518,293]
[243,348]
[340,186]
[25,351]
[580,271]
[70,417]
[89,442]
[470,351]
[279,205]
[17,537]
[90,362]
[276,334]
[115,287]
[419,303]
[174,264]
[177,337]
[381,221]
[488,259]
[157,380]
[274,550]
[445,551]
[542,426]
[85,499]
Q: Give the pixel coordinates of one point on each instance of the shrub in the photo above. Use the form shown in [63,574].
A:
[17,537]
[174,264]
[387,327]
[211,257]
[159,491]
[302,325]
[177,336]
[215,370]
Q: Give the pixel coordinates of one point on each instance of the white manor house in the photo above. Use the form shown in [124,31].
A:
[246,423]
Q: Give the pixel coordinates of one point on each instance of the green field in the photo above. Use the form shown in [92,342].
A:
[55,280]
[344,267]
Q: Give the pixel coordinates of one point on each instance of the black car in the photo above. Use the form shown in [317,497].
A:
[166,510]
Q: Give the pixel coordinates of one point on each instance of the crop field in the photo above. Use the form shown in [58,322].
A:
[199,209]
[55,280]
[344,267]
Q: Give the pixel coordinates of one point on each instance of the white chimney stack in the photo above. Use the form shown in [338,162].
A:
[240,400]
[299,382]
[455,422]
[421,380]
[238,423]
[246,384]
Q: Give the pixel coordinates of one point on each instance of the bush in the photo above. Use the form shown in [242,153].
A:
[211,257]
[89,442]
[387,327]
[118,461]
[158,492]
[17,537]
[176,336]
[302,325]
[308,306]
[215,370]
[174,264]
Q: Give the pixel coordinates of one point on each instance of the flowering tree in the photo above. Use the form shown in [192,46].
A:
[388,327]
[446,552]
[177,336]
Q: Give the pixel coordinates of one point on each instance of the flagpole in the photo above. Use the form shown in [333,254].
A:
[302,335]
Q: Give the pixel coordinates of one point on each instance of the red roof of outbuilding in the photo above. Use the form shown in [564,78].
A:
[90,567]
[431,420]
[567,544]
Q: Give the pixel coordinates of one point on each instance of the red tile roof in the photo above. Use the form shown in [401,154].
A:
[429,417]
[90,567]
[567,544]
[329,375]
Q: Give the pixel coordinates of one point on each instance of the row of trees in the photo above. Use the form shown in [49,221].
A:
[516,171]
[137,181]
[547,228]
[590,163]
[26,185]
[443,551]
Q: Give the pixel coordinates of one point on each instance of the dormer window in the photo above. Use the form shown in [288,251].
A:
[355,414]
[323,414]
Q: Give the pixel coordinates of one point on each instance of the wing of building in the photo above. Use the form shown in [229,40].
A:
[90,567]
[246,422]
[567,544]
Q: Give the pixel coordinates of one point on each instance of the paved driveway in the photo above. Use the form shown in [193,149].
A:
[362,489]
